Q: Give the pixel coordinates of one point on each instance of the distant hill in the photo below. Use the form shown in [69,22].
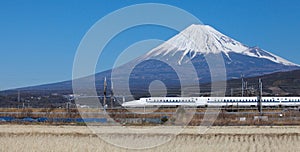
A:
[275,84]
[279,83]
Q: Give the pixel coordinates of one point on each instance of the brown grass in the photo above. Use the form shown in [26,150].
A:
[79,138]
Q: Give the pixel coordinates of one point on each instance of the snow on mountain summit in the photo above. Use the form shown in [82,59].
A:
[204,39]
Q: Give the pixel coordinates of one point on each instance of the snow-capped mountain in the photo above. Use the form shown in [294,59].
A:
[193,45]
[167,61]
[204,39]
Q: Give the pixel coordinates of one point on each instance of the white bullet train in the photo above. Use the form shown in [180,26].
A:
[214,102]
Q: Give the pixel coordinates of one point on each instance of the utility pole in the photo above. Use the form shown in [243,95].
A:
[104,93]
[246,88]
[242,85]
[112,95]
[19,97]
[259,105]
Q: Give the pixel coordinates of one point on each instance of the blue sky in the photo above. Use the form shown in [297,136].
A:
[38,39]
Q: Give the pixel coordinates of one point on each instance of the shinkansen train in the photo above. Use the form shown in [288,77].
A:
[214,102]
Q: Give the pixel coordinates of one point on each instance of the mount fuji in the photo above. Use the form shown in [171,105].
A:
[192,46]
[204,39]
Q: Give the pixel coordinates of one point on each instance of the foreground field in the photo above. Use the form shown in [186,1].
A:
[80,138]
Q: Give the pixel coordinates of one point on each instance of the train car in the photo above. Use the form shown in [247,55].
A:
[214,102]
[162,101]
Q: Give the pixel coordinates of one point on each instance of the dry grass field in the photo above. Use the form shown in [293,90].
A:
[80,138]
